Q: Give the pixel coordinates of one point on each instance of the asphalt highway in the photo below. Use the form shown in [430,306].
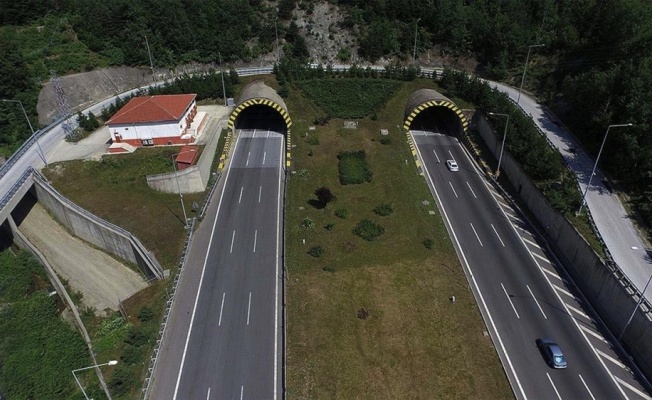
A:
[521,292]
[232,349]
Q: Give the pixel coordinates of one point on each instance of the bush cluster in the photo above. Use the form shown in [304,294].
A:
[384,210]
[353,167]
[368,230]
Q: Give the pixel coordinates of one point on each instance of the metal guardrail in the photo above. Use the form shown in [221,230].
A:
[166,314]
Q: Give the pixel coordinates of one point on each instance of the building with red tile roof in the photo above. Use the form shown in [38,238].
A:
[155,120]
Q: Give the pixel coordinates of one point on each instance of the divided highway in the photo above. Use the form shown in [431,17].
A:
[224,339]
[521,293]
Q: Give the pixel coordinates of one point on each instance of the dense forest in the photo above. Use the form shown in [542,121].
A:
[594,70]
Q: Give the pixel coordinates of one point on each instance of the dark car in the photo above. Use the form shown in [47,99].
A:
[551,352]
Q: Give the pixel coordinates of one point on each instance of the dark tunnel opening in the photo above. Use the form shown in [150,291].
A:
[260,116]
[438,120]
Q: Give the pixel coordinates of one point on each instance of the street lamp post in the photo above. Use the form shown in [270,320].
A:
[222,73]
[112,362]
[40,150]
[502,148]
[596,164]
[638,304]
[176,178]
[518,99]
[276,34]
[414,54]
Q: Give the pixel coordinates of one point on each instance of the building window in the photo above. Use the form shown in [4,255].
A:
[148,142]
[126,129]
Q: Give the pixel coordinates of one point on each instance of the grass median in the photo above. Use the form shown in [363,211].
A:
[373,319]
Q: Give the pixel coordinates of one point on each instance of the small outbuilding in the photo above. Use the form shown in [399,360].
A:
[155,121]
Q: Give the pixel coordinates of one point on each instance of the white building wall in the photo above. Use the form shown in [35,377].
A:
[146,131]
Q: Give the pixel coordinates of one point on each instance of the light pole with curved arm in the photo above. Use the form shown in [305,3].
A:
[518,99]
[502,148]
[112,362]
[40,150]
[596,164]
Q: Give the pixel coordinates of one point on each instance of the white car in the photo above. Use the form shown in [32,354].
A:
[452,165]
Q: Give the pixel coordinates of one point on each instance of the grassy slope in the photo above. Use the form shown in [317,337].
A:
[415,343]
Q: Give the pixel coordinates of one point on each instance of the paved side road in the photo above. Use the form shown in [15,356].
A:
[615,225]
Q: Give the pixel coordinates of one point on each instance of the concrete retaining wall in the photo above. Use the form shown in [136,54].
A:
[97,231]
[193,179]
[603,284]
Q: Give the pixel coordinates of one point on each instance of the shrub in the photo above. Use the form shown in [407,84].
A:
[132,355]
[353,167]
[146,314]
[368,230]
[122,379]
[385,140]
[342,213]
[329,227]
[137,336]
[329,268]
[324,195]
[384,210]
[307,223]
[313,140]
[428,243]
[316,251]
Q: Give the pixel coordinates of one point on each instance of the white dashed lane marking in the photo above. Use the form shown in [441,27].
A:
[592,333]
[633,389]
[566,292]
[532,243]
[610,358]
[578,312]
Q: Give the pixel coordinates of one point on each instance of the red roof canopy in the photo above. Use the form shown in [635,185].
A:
[187,155]
[153,109]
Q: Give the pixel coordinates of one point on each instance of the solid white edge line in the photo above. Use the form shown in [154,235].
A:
[454,192]
[476,234]
[633,389]
[201,279]
[510,301]
[586,386]
[240,198]
[578,312]
[278,238]
[536,301]
[532,243]
[553,385]
[472,192]
[613,360]
[255,239]
[232,241]
[477,288]
[249,308]
[566,292]
[496,232]
[219,322]
[577,325]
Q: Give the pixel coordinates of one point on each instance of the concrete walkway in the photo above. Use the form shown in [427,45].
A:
[101,279]
[623,240]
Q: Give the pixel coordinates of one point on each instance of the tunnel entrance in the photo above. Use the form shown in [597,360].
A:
[430,111]
[438,120]
[260,117]
[260,107]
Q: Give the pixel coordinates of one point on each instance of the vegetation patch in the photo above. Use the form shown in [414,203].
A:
[384,209]
[368,230]
[353,167]
[38,349]
[402,350]
[349,97]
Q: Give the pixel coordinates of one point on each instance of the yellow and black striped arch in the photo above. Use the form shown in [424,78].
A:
[263,101]
[435,103]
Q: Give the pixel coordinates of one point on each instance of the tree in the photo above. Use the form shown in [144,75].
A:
[324,195]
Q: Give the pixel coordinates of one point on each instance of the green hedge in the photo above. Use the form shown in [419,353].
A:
[353,167]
